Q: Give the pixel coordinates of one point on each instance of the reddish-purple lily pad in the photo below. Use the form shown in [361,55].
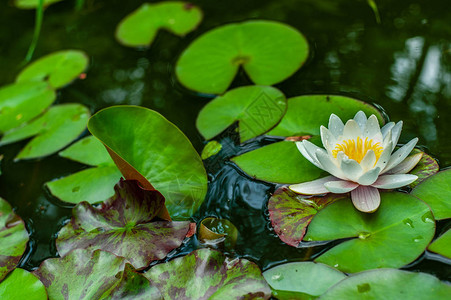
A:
[209,274]
[425,168]
[290,213]
[124,225]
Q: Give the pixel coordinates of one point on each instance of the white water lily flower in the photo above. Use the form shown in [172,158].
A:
[359,157]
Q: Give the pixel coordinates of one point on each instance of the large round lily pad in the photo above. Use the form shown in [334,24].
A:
[13,237]
[141,26]
[436,192]
[21,284]
[55,129]
[209,274]
[21,102]
[142,140]
[256,108]
[442,245]
[58,68]
[389,284]
[279,162]
[91,185]
[301,280]
[395,235]
[124,225]
[268,51]
[305,114]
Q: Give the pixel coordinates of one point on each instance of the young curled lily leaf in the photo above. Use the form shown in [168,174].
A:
[32,4]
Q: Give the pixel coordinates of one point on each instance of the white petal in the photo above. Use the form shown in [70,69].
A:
[366,198]
[314,187]
[351,130]
[328,165]
[387,139]
[394,181]
[372,127]
[369,177]
[335,125]
[340,187]
[361,119]
[396,132]
[386,128]
[369,160]
[351,169]
[385,156]
[308,151]
[328,139]
[407,164]
[400,155]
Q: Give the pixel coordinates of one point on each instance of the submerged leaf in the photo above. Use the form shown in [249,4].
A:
[21,284]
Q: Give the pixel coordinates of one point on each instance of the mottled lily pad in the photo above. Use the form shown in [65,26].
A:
[31,4]
[53,130]
[21,284]
[301,280]
[305,114]
[426,167]
[58,68]
[13,236]
[141,26]
[209,274]
[123,225]
[21,102]
[436,192]
[218,232]
[389,284]
[268,51]
[279,162]
[290,213]
[93,184]
[442,245]
[256,108]
[144,144]
[83,274]
[395,235]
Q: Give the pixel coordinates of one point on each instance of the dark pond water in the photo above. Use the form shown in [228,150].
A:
[402,64]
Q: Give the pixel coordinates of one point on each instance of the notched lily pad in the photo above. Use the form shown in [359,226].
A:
[426,167]
[268,51]
[141,26]
[290,213]
[125,225]
[13,236]
[442,245]
[209,274]
[218,232]
[256,108]
[21,284]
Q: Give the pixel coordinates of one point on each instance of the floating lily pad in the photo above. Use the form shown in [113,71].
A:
[58,68]
[389,284]
[55,129]
[123,225]
[218,232]
[141,26]
[436,192]
[425,168]
[209,274]
[13,236]
[91,185]
[301,280]
[141,140]
[268,51]
[256,108]
[442,245]
[21,284]
[305,114]
[210,149]
[31,4]
[290,213]
[21,102]
[83,274]
[279,162]
[395,235]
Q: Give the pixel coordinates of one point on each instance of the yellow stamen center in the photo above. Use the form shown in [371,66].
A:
[357,150]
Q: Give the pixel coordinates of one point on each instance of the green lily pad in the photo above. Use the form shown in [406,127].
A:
[91,185]
[32,4]
[141,26]
[290,213]
[395,235]
[21,284]
[13,236]
[279,162]
[21,102]
[436,192]
[301,280]
[305,114]
[209,274]
[256,108]
[58,68]
[268,51]
[210,149]
[124,226]
[53,130]
[144,141]
[84,274]
[426,167]
[389,284]
[442,245]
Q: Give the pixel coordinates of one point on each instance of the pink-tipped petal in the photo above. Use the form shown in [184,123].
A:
[400,155]
[407,164]
[314,187]
[366,198]
[351,169]
[340,187]
[335,125]
[369,177]
[394,181]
